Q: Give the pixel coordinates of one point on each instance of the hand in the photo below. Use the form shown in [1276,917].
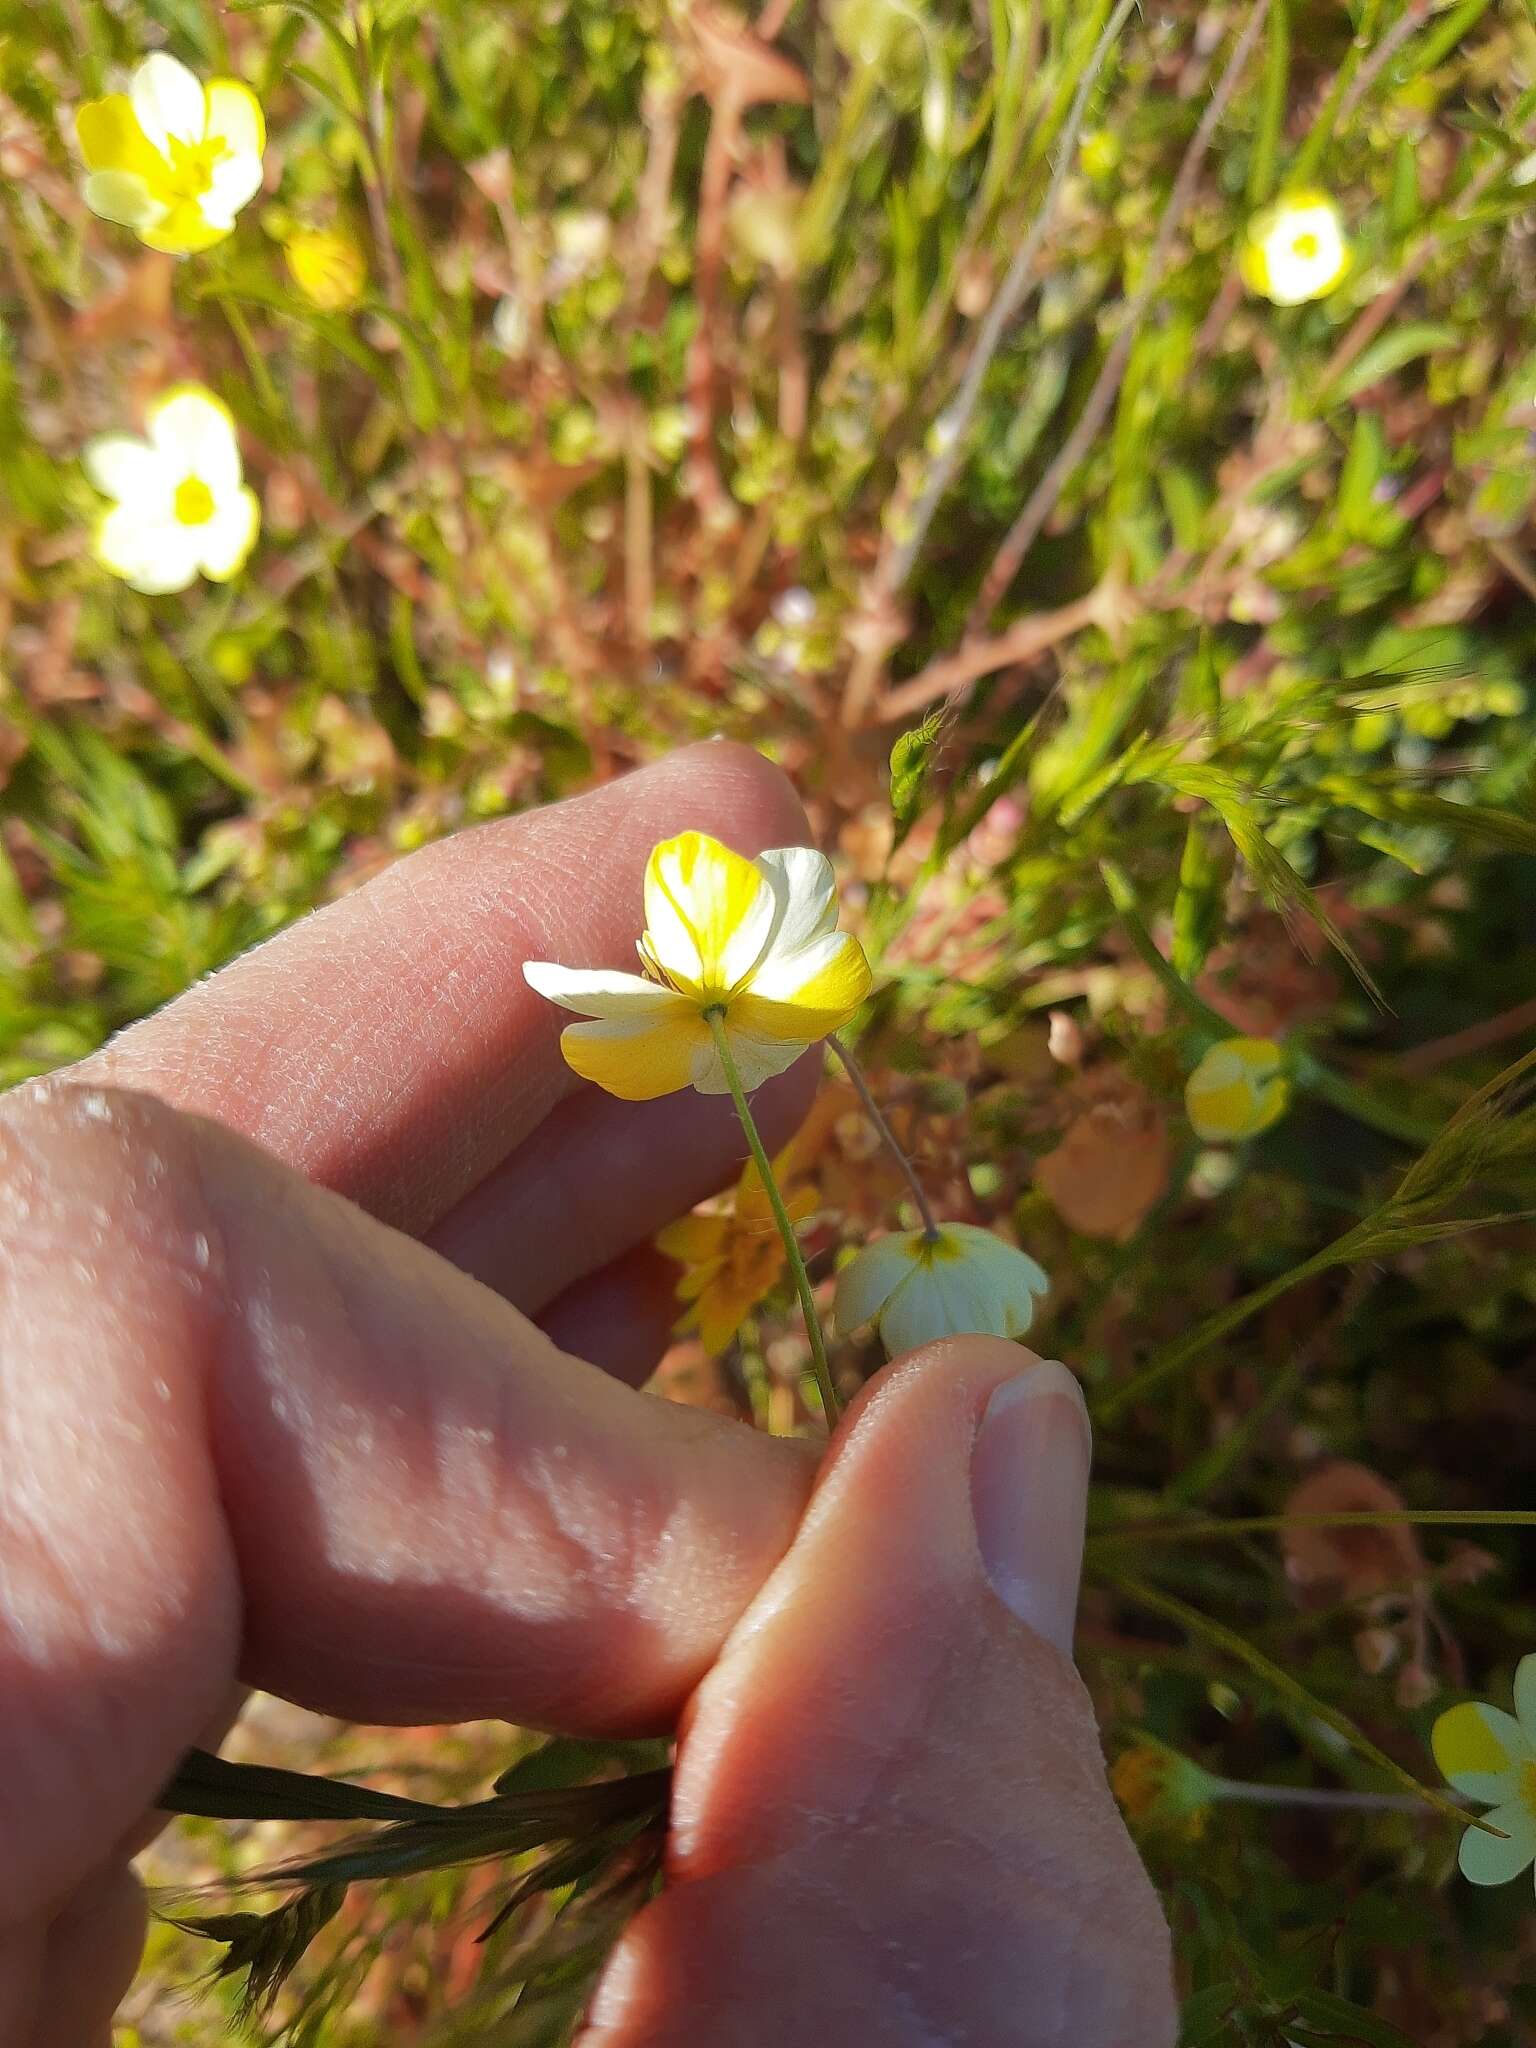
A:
[307,1417]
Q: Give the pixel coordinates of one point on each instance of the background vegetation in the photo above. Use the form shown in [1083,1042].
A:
[798,381]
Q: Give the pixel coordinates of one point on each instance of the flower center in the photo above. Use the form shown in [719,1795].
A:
[194,502]
[930,1251]
[192,165]
[1306,247]
[755,1258]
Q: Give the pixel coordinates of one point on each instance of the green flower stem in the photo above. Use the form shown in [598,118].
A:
[781,1216]
[1309,1076]
[876,1116]
[1365,1109]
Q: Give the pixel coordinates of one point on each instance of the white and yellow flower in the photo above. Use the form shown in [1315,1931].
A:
[172,159]
[961,1282]
[1295,250]
[182,509]
[752,944]
[1239,1089]
[1490,1756]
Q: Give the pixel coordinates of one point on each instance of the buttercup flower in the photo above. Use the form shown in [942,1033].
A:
[1490,1756]
[328,268]
[1239,1089]
[962,1282]
[751,943]
[1295,250]
[181,505]
[734,1257]
[171,160]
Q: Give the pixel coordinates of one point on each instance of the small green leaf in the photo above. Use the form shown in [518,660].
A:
[1398,346]
[912,759]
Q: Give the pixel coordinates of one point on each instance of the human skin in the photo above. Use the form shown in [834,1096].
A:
[299,1285]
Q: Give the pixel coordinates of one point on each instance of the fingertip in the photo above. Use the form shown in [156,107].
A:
[736,779]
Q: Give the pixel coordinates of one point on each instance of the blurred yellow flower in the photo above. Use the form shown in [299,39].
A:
[182,508]
[171,160]
[1295,250]
[752,944]
[962,1282]
[1490,1756]
[328,268]
[1158,1789]
[1239,1089]
[735,1256]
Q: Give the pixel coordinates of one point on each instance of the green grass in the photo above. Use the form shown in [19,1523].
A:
[658,420]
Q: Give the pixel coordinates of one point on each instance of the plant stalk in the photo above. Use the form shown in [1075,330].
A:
[876,1116]
[781,1217]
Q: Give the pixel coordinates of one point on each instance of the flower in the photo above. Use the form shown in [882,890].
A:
[328,268]
[752,944]
[962,1281]
[181,505]
[170,159]
[1295,250]
[1490,1756]
[735,1256]
[1239,1089]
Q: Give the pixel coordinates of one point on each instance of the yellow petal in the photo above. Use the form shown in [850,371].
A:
[692,1239]
[832,981]
[112,140]
[184,231]
[1480,1750]
[235,117]
[708,912]
[125,198]
[637,1058]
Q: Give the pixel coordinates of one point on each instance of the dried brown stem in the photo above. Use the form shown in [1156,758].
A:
[1024,641]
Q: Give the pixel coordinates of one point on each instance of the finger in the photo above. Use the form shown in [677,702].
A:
[620,1319]
[599,1177]
[248,1429]
[891,1822]
[388,1047]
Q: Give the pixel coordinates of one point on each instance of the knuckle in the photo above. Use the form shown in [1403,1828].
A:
[87,1170]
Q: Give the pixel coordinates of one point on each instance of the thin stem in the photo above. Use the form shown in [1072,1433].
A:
[781,1217]
[876,1116]
[962,409]
[1041,503]
[1249,1794]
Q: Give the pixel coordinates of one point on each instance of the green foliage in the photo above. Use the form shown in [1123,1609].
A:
[615,453]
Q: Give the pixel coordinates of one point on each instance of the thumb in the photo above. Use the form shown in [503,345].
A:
[891,1820]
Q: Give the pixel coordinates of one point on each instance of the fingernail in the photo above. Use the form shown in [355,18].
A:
[1029,1494]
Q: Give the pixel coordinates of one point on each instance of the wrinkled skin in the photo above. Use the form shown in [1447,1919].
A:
[297,1282]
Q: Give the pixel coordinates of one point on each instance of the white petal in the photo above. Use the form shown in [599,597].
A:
[1484,1859]
[756,1059]
[120,196]
[784,971]
[1525,1698]
[872,1276]
[601,992]
[168,101]
[228,537]
[153,555]
[946,1299]
[235,180]
[1013,1274]
[131,471]
[805,890]
[196,435]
